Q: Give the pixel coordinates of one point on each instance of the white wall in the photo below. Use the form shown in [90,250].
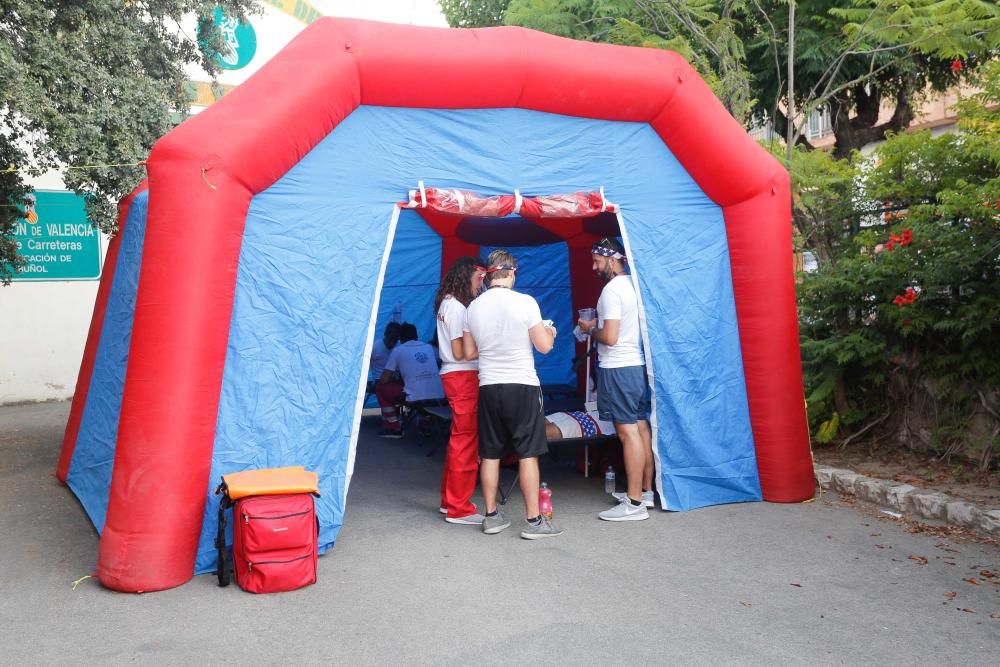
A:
[43,328]
[42,337]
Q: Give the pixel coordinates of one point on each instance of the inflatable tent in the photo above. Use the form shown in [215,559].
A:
[267,248]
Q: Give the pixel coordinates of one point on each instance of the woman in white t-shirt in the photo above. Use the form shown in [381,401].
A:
[460,377]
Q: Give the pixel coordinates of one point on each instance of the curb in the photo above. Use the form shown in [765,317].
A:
[909,500]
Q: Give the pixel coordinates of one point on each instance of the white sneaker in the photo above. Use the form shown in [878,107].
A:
[443,510]
[470,520]
[625,511]
[647,497]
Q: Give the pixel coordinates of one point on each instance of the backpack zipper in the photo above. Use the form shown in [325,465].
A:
[274,562]
[247,517]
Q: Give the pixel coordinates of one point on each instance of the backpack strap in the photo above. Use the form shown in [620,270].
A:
[222,562]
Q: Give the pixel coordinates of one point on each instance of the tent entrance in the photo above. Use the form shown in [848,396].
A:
[555,268]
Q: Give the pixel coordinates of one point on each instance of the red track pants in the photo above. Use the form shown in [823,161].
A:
[461,463]
[389,395]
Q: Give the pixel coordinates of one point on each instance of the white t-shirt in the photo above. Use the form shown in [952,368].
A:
[618,302]
[415,361]
[451,320]
[499,321]
[380,355]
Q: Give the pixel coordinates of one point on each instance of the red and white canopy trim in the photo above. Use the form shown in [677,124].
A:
[464,203]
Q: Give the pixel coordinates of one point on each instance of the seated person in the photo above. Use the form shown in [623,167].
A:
[381,350]
[416,363]
[566,425]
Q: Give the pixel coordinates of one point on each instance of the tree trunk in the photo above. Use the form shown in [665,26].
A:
[853,133]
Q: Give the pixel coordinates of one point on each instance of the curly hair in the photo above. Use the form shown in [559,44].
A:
[456,282]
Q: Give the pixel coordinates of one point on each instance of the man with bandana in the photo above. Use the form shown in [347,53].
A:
[622,387]
[502,327]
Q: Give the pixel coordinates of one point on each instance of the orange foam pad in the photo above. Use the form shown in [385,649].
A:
[271,482]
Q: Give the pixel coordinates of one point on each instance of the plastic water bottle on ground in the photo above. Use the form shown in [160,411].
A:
[609,480]
[397,312]
[545,500]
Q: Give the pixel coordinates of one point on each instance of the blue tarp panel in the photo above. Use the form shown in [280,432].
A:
[89,473]
[412,276]
[543,272]
[311,257]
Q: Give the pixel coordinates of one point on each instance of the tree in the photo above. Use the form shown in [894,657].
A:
[899,329]
[853,60]
[92,82]
[473,13]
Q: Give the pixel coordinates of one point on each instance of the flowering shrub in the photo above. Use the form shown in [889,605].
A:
[900,324]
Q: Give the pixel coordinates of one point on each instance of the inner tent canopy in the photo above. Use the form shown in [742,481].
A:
[243,342]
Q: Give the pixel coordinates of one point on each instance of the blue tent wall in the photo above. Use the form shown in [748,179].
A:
[312,254]
[412,276]
[93,457]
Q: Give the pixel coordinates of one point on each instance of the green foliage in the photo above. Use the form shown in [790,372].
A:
[859,330]
[92,82]
[863,57]
[473,13]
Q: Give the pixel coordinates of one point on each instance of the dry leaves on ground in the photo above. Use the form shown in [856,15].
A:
[919,559]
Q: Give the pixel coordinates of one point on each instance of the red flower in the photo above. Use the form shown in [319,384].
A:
[907,297]
[956,65]
[890,245]
[907,237]
[906,323]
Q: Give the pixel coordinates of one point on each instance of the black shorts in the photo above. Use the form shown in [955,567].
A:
[511,421]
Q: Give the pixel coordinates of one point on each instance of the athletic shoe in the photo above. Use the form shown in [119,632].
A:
[536,531]
[443,510]
[625,511]
[647,497]
[470,520]
[494,524]
[390,433]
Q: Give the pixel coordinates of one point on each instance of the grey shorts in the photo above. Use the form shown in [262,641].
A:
[623,394]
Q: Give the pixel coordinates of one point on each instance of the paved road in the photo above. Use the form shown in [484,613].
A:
[816,583]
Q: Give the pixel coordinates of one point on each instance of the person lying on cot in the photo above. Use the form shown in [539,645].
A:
[416,363]
[569,425]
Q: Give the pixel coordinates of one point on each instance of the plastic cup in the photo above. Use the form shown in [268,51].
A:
[588,314]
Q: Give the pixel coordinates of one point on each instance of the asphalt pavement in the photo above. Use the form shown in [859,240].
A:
[818,583]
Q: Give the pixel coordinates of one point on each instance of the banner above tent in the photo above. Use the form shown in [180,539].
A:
[464,204]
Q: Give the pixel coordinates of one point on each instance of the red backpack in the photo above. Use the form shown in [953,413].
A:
[275,532]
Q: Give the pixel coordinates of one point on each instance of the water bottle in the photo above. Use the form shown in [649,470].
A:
[397,312]
[609,480]
[545,501]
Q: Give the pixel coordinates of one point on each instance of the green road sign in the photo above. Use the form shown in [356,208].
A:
[57,240]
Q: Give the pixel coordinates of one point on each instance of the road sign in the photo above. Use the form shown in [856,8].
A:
[57,240]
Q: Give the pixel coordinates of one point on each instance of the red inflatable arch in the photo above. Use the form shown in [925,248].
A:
[203,174]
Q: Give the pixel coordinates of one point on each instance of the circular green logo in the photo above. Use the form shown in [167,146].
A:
[239,41]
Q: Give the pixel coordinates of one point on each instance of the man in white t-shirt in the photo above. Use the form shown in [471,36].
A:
[622,386]
[502,328]
[416,363]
